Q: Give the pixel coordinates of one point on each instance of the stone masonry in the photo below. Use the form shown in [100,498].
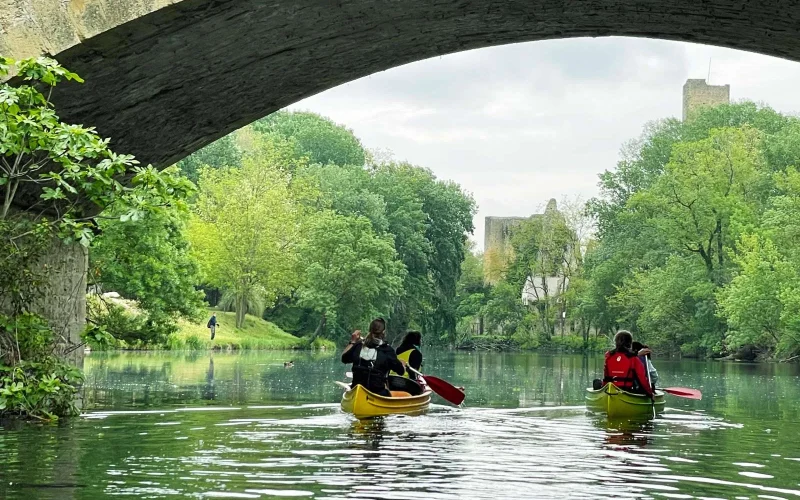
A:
[64,302]
[698,94]
[166,77]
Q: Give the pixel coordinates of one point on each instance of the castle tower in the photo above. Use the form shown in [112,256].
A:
[497,251]
[497,245]
[698,94]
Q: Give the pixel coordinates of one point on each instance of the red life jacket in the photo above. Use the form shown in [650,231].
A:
[621,369]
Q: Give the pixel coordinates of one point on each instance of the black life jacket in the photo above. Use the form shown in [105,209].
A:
[372,373]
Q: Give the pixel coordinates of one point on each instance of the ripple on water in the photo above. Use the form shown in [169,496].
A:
[317,451]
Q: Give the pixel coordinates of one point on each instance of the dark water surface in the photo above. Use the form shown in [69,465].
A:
[168,425]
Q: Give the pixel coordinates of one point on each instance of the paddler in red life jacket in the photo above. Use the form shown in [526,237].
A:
[623,368]
[409,353]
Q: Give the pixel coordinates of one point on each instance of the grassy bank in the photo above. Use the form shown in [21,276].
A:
[255,334]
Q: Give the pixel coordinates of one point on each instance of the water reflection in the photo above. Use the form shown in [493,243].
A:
[241,425]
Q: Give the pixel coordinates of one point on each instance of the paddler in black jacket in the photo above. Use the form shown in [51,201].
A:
[372,358]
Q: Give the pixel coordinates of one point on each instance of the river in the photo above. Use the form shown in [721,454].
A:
[240,425]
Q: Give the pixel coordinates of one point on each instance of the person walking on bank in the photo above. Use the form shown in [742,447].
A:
[212,324]
[409,352]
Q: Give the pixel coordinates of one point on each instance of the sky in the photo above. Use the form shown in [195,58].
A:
[519,124]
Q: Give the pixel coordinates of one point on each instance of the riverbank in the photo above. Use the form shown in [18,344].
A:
[557,344]
[256,333]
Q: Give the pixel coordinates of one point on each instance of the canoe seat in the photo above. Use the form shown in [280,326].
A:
[400,394]
[397,383]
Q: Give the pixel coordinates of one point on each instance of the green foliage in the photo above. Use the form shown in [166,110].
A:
[147,260]
[33,382]
[577,343]
[691,255]
[62,174]
[43,390]
[68,169]
[761,302]
[24,336]
[219,154]
[193,343]
[124,321]
[542,248]
[246,229]
[22,244]
[430,220]
[350,273]
[317,138]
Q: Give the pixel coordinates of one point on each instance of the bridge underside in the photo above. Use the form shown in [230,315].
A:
[169,82]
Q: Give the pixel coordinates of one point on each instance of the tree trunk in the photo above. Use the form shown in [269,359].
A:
[323,321]
[241,311]
[720,256]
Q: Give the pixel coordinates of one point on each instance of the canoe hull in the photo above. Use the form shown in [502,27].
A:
[365,404]
[617,403]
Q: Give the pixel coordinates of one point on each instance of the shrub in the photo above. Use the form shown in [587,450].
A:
[25,336]
[174,343]
[43,390]
[322,344]
[193,343]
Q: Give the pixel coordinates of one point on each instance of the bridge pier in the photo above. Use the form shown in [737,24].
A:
[63,301]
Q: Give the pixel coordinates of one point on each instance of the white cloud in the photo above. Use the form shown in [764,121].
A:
[519,124]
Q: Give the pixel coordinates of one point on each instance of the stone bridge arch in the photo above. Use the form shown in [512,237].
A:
[166,77]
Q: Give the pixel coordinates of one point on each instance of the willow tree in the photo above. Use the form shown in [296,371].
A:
[245,229]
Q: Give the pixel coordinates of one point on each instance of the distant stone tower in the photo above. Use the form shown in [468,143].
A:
[698,94]
[497,251]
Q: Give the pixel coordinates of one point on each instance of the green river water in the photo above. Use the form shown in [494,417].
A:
[240,425]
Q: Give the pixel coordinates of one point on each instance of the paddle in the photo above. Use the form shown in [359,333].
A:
[441,387]
[650,383]
[684,392]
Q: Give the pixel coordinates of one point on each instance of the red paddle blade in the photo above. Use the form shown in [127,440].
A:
[684,392]
[445,389]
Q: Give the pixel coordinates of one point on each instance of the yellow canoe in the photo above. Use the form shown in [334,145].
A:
[365,404]
[617,403]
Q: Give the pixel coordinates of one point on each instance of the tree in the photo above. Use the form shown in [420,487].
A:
[348,191]
[761,302]
[246,229]
[674,307]
[430,220]
[472,292]
[64,173]
[752,303]
[57,177]
[148,260]
[350,274]
[704,185]
[315,137]
[221,153]
[542,260]
[684,190]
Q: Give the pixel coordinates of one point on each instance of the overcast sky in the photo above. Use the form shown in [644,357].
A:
[519,124]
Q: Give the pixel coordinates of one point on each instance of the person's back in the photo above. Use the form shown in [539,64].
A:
[623,368]
[372,359]
[409,352]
